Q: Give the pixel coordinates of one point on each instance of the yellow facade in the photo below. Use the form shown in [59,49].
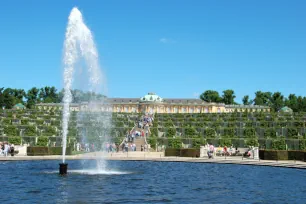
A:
[152,103]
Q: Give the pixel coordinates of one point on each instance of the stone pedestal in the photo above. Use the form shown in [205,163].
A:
[203,151]
[256,152]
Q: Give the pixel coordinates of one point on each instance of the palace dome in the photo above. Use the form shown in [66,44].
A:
[151,97]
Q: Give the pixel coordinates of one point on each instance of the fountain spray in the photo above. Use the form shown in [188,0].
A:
[78,43]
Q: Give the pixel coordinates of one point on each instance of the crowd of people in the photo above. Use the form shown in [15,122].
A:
[145,122]
[225,151]
[6,149]
[128,147]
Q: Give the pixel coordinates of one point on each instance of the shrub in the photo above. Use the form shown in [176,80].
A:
[229,132]
[197,142]
[49,131]
[14,140]
[30,131]
[10,130]
[171,132]
[279,144]
[117,140]
[168,123]
[6,121]
[252,142]
[24,122]
[42,141]
[154,131]
[190,132]
[249,132]
[270,133]
[292,132]
[302,144]
[210,133]
[174,142]
[152,142]
[225,142]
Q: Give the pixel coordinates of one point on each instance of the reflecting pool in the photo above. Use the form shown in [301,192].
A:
[149,182]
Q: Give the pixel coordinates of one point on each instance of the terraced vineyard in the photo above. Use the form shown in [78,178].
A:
[268,130]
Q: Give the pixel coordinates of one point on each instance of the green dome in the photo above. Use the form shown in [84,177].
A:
[151,97]
[286,109]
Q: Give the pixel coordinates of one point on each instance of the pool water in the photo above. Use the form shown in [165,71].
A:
[149,182]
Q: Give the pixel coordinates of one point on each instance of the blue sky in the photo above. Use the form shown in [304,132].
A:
[175,48]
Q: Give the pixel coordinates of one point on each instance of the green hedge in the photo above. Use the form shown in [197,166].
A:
[37,151]
[282,155]
[42,151]
[59,151]
[172,152]
[14,140]
[189,152]
[42,141]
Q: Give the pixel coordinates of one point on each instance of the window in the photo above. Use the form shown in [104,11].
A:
[175,110]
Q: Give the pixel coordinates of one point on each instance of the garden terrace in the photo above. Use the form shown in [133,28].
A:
[268,130]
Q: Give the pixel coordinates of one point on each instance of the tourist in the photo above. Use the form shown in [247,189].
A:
[225,150]
[134,146]
[141,148]
[231,150]
[12,150]
[6,149]
[123,147]
[78,147]
[1,148]
[211,150]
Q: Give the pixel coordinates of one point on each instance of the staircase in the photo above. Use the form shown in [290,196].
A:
[138,142]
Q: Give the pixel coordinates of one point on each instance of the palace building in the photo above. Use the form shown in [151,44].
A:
[152,103]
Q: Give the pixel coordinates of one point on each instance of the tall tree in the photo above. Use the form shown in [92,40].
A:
[262,98]
[48,94]
[246,101]
[292,102]
[32,97]
[228,96]
[2,104]
[8,98]
[211,96]
[277,101]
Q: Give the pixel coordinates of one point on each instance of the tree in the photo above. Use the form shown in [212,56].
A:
[32,97]
[292,102]
[48,95]
[211,96]
[1,97]
[262,98]
[228,96]
[8,98]
[246,101]
[277,101]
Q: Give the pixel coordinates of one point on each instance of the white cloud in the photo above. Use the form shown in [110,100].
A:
[166,40]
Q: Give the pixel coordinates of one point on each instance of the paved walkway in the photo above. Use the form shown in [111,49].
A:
[159,156]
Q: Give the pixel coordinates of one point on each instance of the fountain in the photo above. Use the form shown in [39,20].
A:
[79,45]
